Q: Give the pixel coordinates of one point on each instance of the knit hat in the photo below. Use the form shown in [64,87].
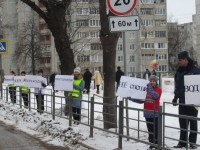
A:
[183,55]
[153,77]
[77,69]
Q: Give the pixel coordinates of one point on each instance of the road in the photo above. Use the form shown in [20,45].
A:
[13,139]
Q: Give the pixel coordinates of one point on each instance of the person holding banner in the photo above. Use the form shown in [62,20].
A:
[37,90]
[24,92]
[77,93]
[186,67]
[152,102]
[12,89]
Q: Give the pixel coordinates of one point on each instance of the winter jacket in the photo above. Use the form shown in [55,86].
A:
[119,73]
[191,69]
[97,78]
[87,76]
[152,101]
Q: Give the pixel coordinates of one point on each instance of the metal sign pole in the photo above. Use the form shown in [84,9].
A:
[124,51]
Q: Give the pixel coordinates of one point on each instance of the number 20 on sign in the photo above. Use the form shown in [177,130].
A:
[121,7]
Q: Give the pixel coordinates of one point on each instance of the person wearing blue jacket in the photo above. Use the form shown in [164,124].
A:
[186,67]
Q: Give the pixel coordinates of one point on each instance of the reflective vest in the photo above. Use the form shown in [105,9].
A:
[75,92]
[24,89]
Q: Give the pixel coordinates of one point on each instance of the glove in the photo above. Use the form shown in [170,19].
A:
[174,101]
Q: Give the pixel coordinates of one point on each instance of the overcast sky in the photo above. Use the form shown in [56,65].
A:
[181,10]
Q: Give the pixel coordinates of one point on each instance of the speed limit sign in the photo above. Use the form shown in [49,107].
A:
[121,7]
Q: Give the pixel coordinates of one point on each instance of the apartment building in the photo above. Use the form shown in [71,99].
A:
[153,34]
[196,33]
[142,46]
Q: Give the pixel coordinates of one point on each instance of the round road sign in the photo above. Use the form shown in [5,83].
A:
[121,7]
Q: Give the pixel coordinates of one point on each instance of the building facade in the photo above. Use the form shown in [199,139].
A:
[196,33]
[141,47]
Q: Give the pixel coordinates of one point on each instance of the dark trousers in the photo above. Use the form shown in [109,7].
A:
[12,91]
[152,123]
[87,86]
[97,87]
[25,98]
[188,111]
[76,113]
[42,102]
[117,85]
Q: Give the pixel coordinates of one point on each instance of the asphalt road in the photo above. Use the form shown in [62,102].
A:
[12,139]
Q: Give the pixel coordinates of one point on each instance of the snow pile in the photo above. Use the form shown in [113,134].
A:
[41,124]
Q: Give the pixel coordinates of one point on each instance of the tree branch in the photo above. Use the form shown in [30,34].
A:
[36,8]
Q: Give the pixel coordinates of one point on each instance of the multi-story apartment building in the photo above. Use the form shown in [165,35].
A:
[196,33]
[142,46]
[153,33]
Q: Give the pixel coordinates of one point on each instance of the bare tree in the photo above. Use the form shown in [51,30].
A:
[55,17]
[29,50]
[109,42]
[177,39]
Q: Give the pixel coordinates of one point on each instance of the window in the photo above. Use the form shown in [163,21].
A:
[148,56]
[132,36]
[81,46]
[82,23]
[160,11]
[82,11]
[148,22]
[161,56]
[82,35]
[94,34]
[160,22]
[119,47]
[131,46]
[161,45]
[44,60]
[94,10]
[120,58]
[83,58]
[96,46]
[132,58]
[160,33]
[42,26]
[95,23]
[96,58]
[162,68]
[146,11]
[44,38]
[147,1]
[147,45]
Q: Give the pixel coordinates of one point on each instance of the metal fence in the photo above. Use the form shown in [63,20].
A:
[130,127]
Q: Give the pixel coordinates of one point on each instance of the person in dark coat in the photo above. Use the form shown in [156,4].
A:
[147,72]
[186,67]
[119,73]
[52,80]
[87,78]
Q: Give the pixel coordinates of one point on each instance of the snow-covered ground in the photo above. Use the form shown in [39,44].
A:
[59,133]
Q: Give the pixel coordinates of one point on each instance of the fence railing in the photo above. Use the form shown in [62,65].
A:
[130,125]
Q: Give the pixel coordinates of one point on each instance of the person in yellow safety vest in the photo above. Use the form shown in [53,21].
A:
[77,93]
[12,89]
[24,92]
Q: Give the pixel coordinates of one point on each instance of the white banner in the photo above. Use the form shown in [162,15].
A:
[64,82]
[132,87]
[192,89]
[19,80]
[8,79]
[34,81]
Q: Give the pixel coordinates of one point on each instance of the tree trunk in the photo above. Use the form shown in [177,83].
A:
[109,43]
[58,26]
